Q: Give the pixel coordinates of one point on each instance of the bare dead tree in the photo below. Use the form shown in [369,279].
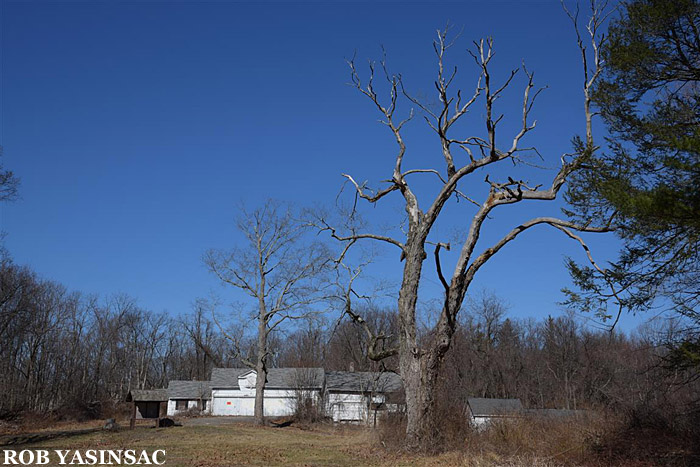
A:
[421,364]
[278,270]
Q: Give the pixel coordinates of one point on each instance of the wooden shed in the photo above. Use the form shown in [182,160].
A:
[146,403]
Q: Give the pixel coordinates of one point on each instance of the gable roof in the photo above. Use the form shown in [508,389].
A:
[189,390]
[226,377]
[278,378]
[147,395]
[483,407]
[363,381]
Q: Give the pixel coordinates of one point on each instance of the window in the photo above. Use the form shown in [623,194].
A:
[203,404]
[181,405]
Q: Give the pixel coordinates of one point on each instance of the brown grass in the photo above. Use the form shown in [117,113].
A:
[584,440]
[523,442]
[243,444]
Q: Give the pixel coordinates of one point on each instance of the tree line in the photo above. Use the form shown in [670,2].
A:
[78,355]
[67,352]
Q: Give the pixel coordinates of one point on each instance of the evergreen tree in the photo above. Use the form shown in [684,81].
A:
[649,176]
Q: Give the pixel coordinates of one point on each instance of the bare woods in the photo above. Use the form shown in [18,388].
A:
[68,354]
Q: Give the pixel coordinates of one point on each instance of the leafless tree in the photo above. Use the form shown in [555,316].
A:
[307,403]
[305,347]
[465,158]
[276,268]
[9,183]
[201,331]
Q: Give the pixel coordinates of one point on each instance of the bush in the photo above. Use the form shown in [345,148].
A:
[648,434]
[522,441]
[306,409]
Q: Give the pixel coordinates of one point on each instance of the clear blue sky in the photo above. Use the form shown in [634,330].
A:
[136,128]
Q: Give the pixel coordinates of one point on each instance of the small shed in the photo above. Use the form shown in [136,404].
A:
[483,411]
[146,403]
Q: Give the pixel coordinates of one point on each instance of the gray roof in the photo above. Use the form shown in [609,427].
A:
[189,390]
[482,407]
[147,395]
[280,378]
[226,377]
[350,381]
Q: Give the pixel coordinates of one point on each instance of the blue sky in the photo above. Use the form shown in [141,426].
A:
[137,128]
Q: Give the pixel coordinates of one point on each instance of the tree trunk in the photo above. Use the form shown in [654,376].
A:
[261,370]
[420,383]
[409,353]
[420,369]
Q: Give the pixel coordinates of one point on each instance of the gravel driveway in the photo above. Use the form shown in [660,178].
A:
[215,421]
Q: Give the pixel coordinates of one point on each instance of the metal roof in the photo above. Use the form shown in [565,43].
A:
[351,381]
[280,378]
[482,407]
[147,395]
[189,390]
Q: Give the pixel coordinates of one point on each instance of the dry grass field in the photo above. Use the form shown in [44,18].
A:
[209,442]
[244,444]
[236,444]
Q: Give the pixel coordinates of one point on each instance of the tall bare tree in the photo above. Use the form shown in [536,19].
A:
[276,268]
[421,362]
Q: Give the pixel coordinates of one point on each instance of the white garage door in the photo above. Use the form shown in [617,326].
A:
[233,406]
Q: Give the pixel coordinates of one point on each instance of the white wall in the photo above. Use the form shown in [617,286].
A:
[192,404]
[346,407]
[480,423]
[236,402]
[483,422]
[351,407]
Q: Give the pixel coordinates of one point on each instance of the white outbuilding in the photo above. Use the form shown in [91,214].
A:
[361,397]
[184,396]
[483,411]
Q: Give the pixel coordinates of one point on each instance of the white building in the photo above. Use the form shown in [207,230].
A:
[233,390]
[344,396]
[184,396]
[360,397]
[483,411]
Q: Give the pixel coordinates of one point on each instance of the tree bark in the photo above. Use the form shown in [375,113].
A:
[260,366]
[410,356]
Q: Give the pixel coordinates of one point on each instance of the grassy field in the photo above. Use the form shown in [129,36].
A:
[237,444]
[213,441]
[242,444]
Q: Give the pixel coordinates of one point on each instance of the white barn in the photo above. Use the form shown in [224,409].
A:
[233,390]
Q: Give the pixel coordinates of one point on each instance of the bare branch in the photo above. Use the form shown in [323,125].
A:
[372,198]
[353,237]
[446,246]
[374,339]
[553,221]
